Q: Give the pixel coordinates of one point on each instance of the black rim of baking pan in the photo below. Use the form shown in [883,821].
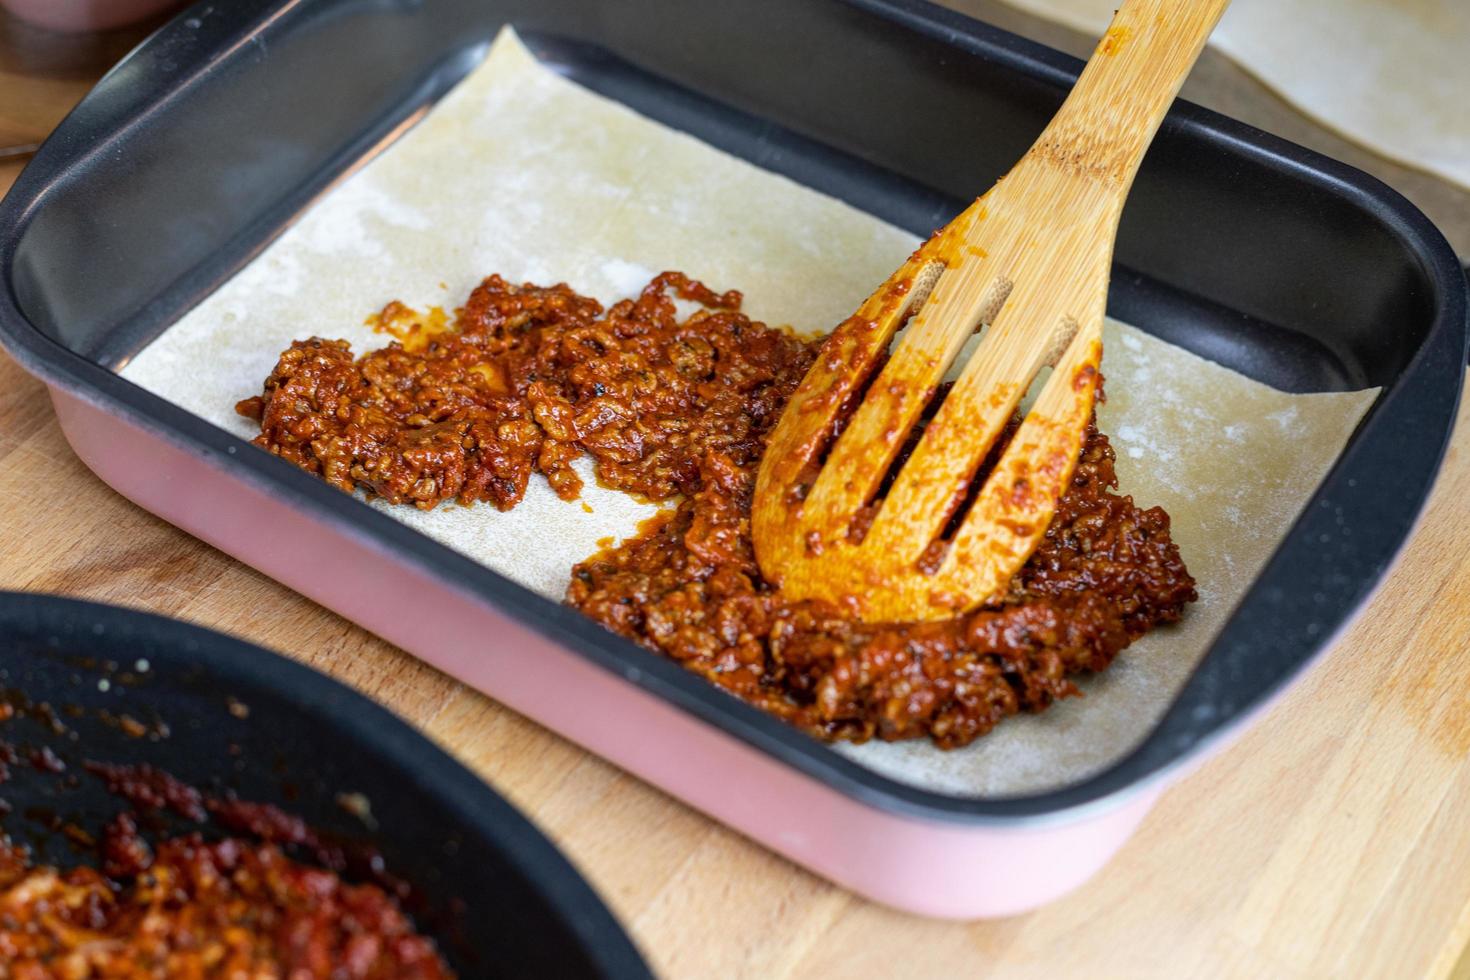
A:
[1302,599]
[76,628]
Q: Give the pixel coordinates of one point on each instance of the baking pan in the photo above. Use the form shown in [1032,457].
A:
[496,896]
[1263,256]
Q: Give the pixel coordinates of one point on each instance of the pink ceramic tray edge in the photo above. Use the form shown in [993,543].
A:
[949,870]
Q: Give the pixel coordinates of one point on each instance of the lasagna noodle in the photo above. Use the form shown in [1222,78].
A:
[521,172]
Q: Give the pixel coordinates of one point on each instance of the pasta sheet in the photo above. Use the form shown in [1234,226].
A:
[521,172]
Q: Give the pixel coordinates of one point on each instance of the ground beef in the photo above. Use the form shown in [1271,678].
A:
[193,909]
[527,378]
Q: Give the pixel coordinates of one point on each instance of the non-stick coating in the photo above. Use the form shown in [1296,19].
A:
[500,900]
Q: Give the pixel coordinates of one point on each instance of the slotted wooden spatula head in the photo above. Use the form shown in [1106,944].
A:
[859,500]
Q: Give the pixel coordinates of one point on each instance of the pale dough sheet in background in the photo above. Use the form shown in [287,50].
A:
[521,172]
[1390,74]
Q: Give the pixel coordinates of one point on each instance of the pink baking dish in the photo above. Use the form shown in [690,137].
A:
[209,139]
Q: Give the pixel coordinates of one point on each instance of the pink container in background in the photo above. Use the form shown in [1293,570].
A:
[74,16]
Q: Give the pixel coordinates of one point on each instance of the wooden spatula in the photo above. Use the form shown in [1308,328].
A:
[1028,265]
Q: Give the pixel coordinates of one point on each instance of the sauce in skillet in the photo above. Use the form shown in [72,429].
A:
[191,909]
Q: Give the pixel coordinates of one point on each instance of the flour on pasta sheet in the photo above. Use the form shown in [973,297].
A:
[521,172]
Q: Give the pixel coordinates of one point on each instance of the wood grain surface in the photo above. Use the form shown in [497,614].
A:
[1332,840]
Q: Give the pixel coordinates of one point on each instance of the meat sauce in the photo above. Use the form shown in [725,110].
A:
[191,909]
[527,378]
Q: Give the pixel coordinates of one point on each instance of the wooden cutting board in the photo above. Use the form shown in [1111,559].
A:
[1334,839]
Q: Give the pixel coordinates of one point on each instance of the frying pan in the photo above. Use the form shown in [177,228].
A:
[223,715]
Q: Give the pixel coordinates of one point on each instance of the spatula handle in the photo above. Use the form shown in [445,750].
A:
[1104,128]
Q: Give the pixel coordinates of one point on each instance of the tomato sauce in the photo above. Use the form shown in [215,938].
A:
[526,378]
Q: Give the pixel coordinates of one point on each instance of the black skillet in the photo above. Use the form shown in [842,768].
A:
[103,684]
